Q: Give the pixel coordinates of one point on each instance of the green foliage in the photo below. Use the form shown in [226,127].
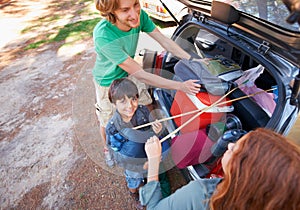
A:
[273,11]
[49,32]
[35,45]
[74,32]
[83,28]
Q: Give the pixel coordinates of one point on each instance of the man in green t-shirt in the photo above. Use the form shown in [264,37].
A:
[115,38]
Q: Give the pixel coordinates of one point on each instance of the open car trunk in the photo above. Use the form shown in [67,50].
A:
[212,37]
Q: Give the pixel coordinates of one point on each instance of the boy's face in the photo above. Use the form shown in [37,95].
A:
[127,107]
[128,14]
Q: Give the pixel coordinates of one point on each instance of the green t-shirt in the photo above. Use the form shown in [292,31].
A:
[113,47]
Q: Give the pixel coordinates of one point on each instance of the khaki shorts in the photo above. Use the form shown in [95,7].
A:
[105,109]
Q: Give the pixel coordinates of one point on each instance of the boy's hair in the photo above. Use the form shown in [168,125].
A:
[120,88]
[107,8]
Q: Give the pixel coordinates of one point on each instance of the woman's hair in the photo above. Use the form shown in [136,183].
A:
[120,88]
[263,173]
[107,8]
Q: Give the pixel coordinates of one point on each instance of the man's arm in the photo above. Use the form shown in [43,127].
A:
[169,45]
[133,68]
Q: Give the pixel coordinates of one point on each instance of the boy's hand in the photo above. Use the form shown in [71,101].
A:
[156,126]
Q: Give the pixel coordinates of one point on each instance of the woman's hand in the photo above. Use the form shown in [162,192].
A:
[190,86]
[153,151]
[153,148]
[156,126]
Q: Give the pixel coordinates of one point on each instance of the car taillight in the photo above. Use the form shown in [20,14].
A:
[161,9]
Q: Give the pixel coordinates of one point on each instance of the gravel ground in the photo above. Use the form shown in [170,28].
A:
[49,142]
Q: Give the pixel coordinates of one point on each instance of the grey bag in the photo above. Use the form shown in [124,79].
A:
[195,69]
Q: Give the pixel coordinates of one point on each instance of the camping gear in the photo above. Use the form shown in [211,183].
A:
[197,148]
[191,148]
[215,130]
[217,28]
[265,100]
[183,103]
[230,136]
[198,70]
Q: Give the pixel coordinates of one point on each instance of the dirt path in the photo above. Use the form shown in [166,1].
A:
[49,140]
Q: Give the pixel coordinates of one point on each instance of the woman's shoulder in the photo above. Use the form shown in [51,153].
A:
[201,189]
[195,194]
[209,185]
[197,190]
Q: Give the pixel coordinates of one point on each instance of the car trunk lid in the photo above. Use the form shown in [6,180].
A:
[284,41]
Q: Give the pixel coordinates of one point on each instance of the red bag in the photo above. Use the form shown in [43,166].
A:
[185,103]
[191,148]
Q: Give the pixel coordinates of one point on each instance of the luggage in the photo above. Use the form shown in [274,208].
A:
[248,111]
[191,148]
[219,65]
[183,103]
[198,70]
[152,61]
[196,148]
[214,75]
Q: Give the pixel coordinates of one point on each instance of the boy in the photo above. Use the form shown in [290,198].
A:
[129,151]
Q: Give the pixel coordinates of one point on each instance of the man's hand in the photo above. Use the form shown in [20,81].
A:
[190,86]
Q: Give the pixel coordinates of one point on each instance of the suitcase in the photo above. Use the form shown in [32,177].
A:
[183,103]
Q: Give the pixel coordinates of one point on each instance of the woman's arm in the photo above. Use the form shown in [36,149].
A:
[153,151]
[194,195]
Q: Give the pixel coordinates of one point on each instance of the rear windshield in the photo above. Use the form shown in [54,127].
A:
[273,11]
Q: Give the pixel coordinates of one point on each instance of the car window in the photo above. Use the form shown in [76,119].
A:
[273,11]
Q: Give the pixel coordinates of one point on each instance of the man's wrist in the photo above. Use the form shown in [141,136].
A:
[179,86]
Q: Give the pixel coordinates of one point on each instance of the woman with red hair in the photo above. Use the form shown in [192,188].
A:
[261,171]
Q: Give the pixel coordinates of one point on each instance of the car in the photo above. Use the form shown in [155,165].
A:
[158,9]
[244,43]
